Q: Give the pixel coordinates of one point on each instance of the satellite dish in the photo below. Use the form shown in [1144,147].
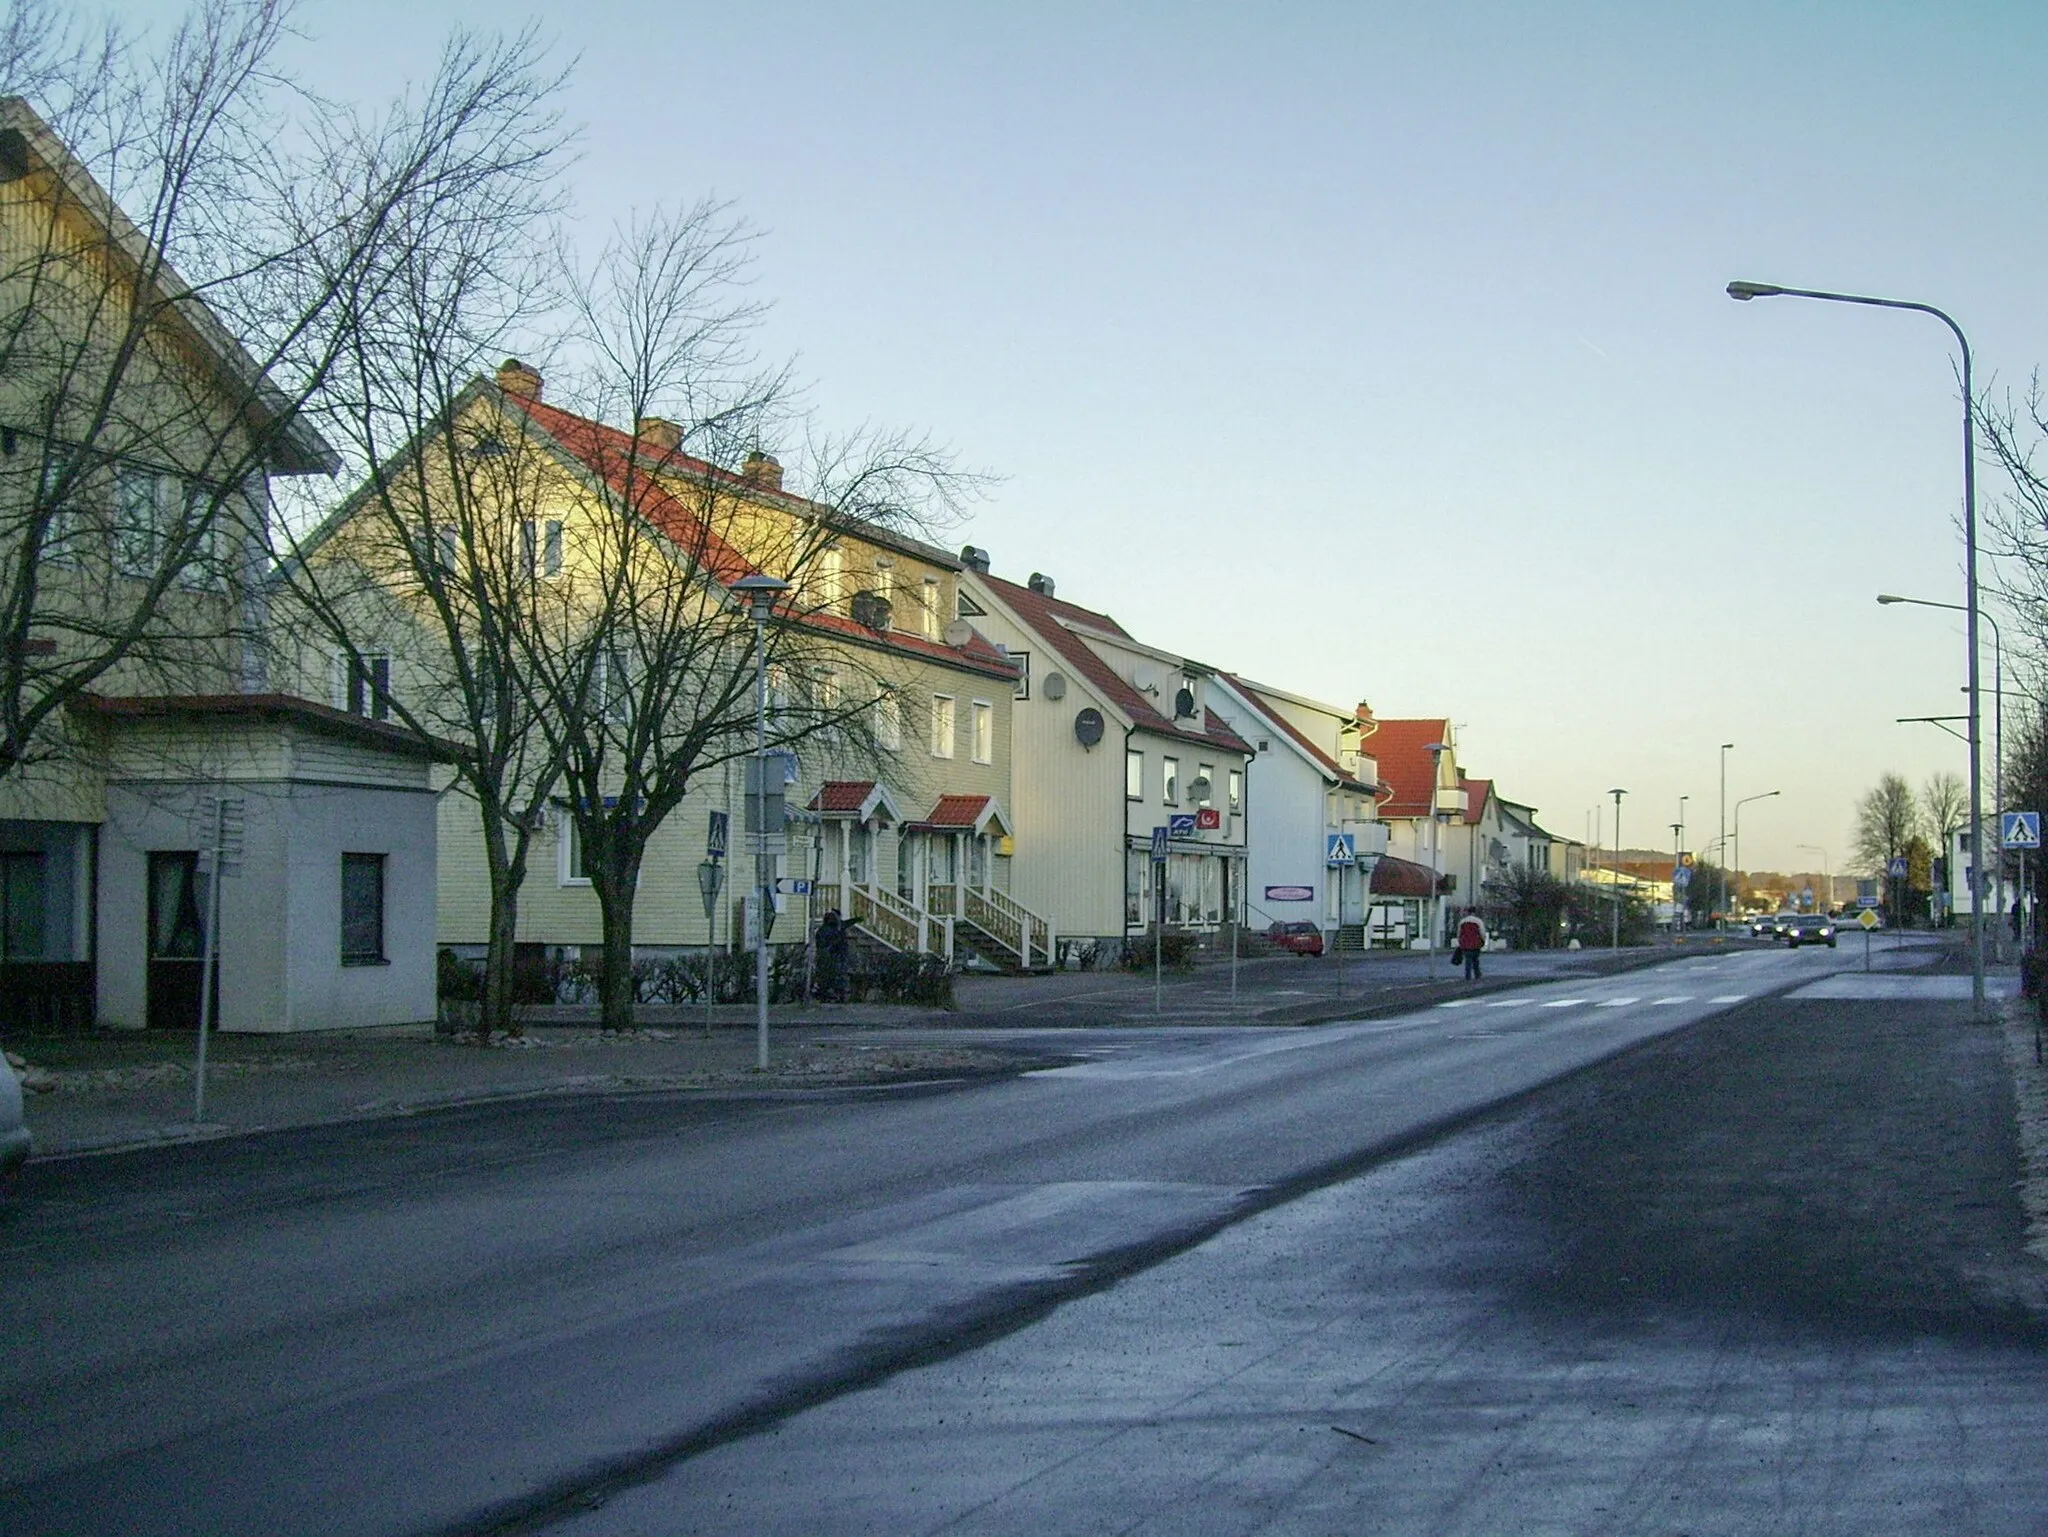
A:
[959,633]
[1055,686]
[1184,704]
[1088,727]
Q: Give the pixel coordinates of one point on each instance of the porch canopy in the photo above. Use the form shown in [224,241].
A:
[976,814]
[855,800]
[1393,877]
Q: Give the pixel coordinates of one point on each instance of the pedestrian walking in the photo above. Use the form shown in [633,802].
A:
[1471,942]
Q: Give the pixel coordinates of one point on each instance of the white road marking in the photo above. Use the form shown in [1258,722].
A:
[1729,998]
[1457,1003]
[1616,1003]
[1686,999]
[1563,1003]
[1507,1003]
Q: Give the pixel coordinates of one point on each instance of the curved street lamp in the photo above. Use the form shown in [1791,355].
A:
[1746,291]
[760,592]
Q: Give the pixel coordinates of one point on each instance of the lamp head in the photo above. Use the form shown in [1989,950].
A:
[1747,291]
[1890,597]
[761,591]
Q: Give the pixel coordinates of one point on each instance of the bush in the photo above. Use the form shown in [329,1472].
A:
[1177,950]
[925,981]
[457,980]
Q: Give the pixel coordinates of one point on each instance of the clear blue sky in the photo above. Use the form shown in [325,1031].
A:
[1380,351]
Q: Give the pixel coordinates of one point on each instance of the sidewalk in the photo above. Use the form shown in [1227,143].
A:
[116,1089]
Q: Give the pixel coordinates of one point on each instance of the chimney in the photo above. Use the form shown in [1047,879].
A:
[1041,584]
[975,558]
[515,378]
[763,470]
[657,434]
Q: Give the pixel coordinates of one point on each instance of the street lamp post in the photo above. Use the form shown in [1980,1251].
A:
[1746,291]
[1997,744]
[1617,794]
[1721,832]
[1737,858]
[1436,751]
[1827,877]
[761,592]
[1677,854]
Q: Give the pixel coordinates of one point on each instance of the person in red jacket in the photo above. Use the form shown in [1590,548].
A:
[1471,941]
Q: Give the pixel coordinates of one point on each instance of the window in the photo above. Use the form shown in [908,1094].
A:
[1205,782]
[1169,780]
[362,909]
[60,492]
[1134,775]
[541,541]
[21,906]
[942,725]
[137,524]
[928,614]
[367,689]
[569,846]
[1237,790]
[888,720]
[832,580]
[615,688]
[448,547]
[984,731]
[1022,662]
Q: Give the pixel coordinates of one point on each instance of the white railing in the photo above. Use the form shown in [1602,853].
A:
[1009,923]
[898,924]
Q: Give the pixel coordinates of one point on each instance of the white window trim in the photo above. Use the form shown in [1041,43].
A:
[950,745]
[980,711]
[565,833]
[1134,755]
[1169,781]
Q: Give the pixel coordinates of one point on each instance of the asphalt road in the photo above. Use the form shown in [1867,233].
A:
[1758,1278]
[450,1322]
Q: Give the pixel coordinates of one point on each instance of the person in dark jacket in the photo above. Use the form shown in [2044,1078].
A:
[835,951]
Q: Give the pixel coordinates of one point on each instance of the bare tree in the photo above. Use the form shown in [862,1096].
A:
[419,585]
[159,368]
[645,679]
[1944,805]
[1887,820]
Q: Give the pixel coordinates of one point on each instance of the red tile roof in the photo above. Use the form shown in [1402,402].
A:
[1044,616]
[964,813]
[841,795]
[1404,767]
[1476,793]
[609,454]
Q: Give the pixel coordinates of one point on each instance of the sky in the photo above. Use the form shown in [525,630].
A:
[1382,352]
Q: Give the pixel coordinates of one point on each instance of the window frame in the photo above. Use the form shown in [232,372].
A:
[1236,783]
[374,954]
[569,851]
[361,690]
[888,718]
[1023,661]
[946,744]
[981,731]
[1134,773]
[1169,781]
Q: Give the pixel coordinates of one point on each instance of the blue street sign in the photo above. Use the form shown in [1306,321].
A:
[2023,829]
[714,840]
[792,887]
[1342,850]
[1159,845]
[1181,824]
[1897,868]
[1681,877]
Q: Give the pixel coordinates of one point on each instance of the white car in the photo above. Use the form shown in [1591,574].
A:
[14,1137]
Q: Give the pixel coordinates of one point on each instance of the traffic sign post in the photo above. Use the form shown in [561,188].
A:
[2022,829]
[1159,837]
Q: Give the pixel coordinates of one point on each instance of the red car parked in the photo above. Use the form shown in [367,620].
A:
[1301,938]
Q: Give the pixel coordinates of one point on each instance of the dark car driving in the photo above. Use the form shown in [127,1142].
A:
[1810,929]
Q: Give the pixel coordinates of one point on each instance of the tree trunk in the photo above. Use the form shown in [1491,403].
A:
[505,863]
[615,888]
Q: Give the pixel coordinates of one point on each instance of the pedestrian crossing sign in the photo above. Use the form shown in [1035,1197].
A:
[2022,829]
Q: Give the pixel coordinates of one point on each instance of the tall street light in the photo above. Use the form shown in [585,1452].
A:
[1436,751]
[1721,832]
[1827,878]
[1678,853]
[1746,291]
[1737,861]
[1997,744]
[1617,794]
[761,591]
